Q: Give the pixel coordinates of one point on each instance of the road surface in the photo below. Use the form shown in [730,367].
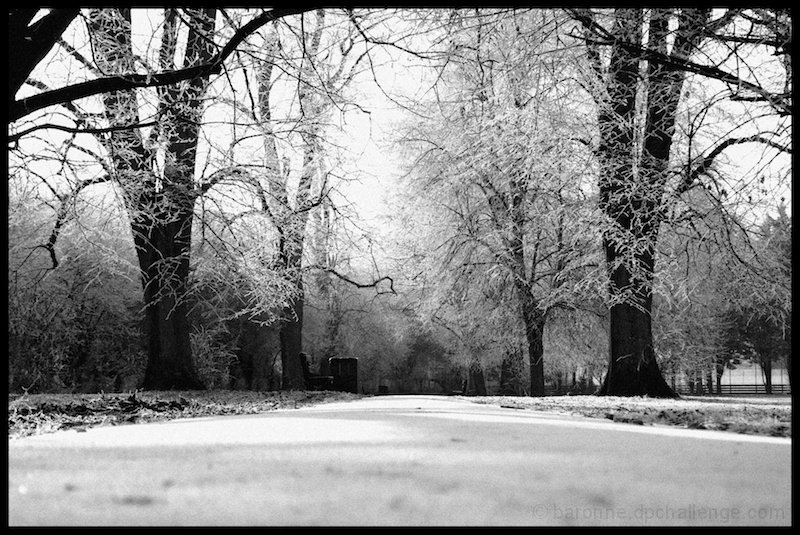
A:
[398,460]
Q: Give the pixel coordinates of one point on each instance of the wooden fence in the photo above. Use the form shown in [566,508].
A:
[751,389]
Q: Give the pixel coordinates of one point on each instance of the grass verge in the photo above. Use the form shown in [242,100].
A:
[770,416]
[46,413]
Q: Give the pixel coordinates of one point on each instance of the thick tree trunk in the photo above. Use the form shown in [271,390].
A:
[169,363]
[164,253]
[632,369]
[160,207]
[291,326]
[164,249]
[291,337]
[632,186]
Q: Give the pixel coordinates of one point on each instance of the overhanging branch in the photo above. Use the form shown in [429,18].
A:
[26,106]
[75,130]
[373,284]
[778,101]
[708,160]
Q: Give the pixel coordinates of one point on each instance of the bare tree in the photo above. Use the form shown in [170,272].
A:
[160,204]
[506,167]
[637,117]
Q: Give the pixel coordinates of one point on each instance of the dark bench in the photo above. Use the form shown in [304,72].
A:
[314,381]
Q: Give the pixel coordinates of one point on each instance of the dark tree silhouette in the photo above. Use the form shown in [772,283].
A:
[632,186]
[29,43]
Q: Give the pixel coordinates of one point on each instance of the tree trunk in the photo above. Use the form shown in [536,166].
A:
[587,382]
[788,338]
[169,363]
[534,321]
[160,208]
[766,367]
[291,327]
[332,327]
[476,382]
[292,226]
[291,337]
[163,251]
[258,344]
[631,190]
[789,365]
[169,220]
[632,369]
[291,245]
[510,373]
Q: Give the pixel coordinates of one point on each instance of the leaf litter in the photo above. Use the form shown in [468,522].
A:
[46,413]
[767,415]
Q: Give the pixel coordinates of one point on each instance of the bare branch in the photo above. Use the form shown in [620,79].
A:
[782,105]
[373,284]
[26,106]
[63,214]
[708,160]
[75,130]
[79,57]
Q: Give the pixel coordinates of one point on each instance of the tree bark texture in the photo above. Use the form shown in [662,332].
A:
[160,207]
[766,368]
[534,321]
[476,382]
[511,373]
[632,192]
[293,229]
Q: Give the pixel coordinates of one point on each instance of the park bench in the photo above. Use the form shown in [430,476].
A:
[314,381]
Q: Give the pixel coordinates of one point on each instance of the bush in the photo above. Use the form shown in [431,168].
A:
[213,357]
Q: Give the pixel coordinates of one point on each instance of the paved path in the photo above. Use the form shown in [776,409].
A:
[394,460]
